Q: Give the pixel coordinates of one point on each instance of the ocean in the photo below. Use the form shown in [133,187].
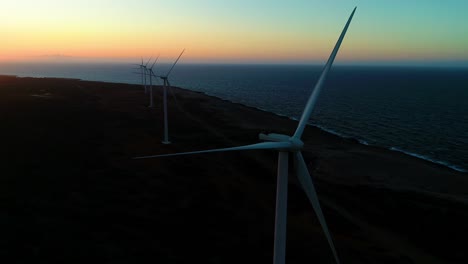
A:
[421,111]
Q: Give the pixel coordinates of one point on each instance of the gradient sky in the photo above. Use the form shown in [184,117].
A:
[235,31]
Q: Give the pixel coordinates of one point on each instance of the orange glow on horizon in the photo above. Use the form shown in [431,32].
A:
[227,32]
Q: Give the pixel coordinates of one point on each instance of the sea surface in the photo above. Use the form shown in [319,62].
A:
[421,111]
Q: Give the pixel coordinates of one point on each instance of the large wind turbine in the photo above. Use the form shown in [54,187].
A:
[166,83]
[286,145]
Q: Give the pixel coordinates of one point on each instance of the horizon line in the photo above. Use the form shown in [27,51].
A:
[383,63]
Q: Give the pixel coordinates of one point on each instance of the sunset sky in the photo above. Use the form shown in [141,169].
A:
[265,31]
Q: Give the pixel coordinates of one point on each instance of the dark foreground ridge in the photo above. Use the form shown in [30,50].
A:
[71,193]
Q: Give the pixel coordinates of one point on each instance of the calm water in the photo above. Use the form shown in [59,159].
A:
[420,111]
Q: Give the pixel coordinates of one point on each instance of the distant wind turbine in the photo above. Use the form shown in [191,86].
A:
[166,83]
[286,145]
[145,68]
[151,74]
[142,73]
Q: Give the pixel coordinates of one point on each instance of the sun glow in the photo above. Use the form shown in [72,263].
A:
[263,31]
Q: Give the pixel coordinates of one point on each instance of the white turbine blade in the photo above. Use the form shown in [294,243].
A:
[154,62]
[148,61]
[308,187]
[175,63]
[318,87]
[264,145]
[175,99]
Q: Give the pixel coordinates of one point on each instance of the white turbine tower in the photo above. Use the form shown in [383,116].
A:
[166,83]
[151,74]
[285,145]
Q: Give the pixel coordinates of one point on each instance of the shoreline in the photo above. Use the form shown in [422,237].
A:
[423,157]
[380,149]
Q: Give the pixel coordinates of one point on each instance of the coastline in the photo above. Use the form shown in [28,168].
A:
[445,164]
[69,177]
[336,133]
[387,152]
[425,157]
[421,157]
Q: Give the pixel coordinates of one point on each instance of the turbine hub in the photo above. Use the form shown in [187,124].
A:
[296,144]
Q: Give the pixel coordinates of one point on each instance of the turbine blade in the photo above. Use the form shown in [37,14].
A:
[148,61]
[313,97]
[308,187]
[141,60]
[175,63]
[264,145]
[169,83]
[175,99]
[154,62]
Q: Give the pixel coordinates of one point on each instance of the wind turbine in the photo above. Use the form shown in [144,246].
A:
[142,73]
[166,83]
[151,74]
[285,145]
[145,69]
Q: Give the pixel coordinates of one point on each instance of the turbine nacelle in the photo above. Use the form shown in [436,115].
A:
[296,143]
